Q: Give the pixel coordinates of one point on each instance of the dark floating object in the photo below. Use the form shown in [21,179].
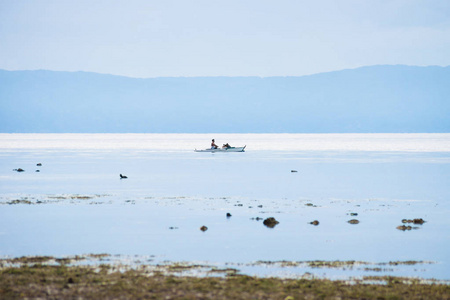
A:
[228,215]
[353,221]
[19,170]
[315,223]
[260,206]
[415,221]
[203,228]
[37,171]
[257,219]
[39,164]
[172,228]
[353,214]
[123,176]
[270,222]
[404,227]
[294,171]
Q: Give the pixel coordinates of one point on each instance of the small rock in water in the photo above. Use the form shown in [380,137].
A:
[294,171]
[123,176]
[19,170]
[39,164]
[172,228]
[353,221]
[260,206]
[228,215]
[203,228]
[270,222]
[315,223]
[415,221]
[37,171]
[353,214]
[404,227]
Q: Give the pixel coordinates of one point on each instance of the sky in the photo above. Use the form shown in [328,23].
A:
[146,38]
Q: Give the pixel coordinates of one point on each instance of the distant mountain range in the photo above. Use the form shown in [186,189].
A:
[368,99]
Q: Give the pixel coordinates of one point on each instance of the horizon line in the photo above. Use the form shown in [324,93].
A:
[229,76]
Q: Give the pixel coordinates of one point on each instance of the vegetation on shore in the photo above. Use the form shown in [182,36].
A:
[104,282]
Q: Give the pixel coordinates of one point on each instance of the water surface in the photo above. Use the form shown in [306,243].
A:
[79,204]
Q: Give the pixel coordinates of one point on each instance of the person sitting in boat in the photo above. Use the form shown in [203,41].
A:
[213,145]
[226,146]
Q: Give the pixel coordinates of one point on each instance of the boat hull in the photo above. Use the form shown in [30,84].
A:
[231,149]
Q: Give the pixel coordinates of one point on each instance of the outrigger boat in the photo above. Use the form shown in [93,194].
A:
[229,149]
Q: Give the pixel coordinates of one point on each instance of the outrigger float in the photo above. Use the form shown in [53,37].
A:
[229,149]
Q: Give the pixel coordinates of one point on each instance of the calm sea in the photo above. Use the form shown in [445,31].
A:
[77,204]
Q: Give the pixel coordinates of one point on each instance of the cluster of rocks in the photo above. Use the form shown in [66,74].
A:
[271,222]
[418,221]
[404,227]
[414,221]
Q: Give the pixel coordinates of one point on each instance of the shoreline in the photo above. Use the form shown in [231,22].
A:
[150,265]
[33,277]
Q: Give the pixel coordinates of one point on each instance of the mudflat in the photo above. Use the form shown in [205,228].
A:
[101,282]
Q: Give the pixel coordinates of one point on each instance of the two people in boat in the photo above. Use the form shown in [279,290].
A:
[214,146]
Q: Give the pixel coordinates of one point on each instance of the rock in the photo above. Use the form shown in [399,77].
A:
[260,206]
[228,215]
[123,176]
[353,221]
[315,223]
[37,171]
[39,164]
[404,227]
[270,222]
[293,171]
[353,214]
[415,221]
[203,228]
[19,170]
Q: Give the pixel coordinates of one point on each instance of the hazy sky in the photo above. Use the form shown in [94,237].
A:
[145,38]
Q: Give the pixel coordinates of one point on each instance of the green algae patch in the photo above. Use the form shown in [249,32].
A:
[88,282]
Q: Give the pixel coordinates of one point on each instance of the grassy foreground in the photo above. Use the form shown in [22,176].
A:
[81,282]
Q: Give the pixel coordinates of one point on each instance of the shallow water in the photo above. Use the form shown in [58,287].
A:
[79,204]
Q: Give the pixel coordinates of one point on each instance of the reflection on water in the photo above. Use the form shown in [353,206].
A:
[78,204]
